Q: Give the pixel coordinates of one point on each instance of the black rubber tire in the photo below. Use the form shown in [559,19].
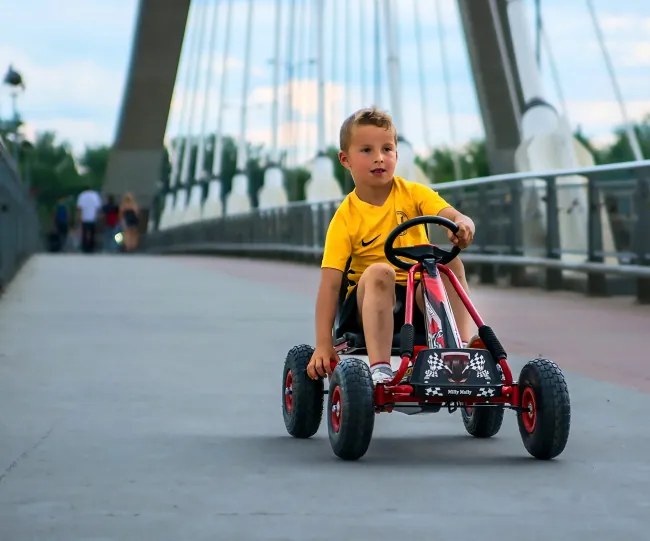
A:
[351,385]
[303,418]
[548,435]
[483,421]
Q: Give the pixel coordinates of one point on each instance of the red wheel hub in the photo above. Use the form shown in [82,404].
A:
[336,412]
[529,407]
[288,392]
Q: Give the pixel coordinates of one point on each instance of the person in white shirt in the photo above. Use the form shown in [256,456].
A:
[89,204]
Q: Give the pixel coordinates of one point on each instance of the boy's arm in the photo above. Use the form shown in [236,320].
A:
[326,301]
[466,227]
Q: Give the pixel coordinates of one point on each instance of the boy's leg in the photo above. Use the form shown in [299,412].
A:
[464,321]
[376,299]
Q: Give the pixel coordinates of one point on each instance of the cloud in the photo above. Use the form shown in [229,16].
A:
[75,63]
[624,24]
[79,133]
[639,55]
[598,116]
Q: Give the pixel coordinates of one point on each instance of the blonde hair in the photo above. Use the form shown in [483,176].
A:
[369,116]
[129,200]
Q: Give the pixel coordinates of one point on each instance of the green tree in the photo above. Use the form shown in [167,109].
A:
[295,180]
[95,161]
[621,151]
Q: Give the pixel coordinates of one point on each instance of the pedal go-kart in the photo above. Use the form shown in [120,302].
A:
[436,372]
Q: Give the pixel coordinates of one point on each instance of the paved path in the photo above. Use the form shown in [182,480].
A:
[140,399]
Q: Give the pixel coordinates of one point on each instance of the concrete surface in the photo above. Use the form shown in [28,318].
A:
[140,399]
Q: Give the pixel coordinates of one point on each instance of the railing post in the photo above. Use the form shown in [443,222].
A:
[642,232]
[515,231]
[486,271]
[553,276]
[307,225]
[319,235]
[596,281]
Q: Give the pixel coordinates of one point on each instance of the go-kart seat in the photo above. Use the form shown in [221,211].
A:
[356,339]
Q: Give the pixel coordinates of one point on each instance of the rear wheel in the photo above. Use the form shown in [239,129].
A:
[482,421]
[302,397]
[546,409]
[351,411]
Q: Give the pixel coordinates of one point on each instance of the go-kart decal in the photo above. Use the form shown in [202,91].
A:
[458,366]
[456,372]
[457,391]
[435,335]
[440,332]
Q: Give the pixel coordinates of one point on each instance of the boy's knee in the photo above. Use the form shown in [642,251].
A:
[380,275]
[456,266]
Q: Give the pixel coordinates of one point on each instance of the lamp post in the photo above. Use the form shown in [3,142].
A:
[14,127]
[14,80]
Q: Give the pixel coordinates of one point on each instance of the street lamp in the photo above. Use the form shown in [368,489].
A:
[14,80]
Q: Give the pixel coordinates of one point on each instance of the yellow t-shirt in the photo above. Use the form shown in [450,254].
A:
[359,230]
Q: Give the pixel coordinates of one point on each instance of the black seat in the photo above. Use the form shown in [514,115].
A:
[356,340]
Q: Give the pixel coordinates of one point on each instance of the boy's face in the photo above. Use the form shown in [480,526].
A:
[371,157]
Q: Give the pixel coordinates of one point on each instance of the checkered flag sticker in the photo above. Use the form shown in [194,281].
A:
[477,363]
[487,393]
[433,391]
[435,365]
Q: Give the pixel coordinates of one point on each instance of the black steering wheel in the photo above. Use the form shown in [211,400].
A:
[423,251]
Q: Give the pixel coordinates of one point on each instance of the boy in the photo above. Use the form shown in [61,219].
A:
[358,230]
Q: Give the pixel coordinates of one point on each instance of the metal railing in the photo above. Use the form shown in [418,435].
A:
[553,228]
[19,231]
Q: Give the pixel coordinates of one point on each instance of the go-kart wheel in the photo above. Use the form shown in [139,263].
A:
[482,421]
[546,409]
[302,397]
[351,411]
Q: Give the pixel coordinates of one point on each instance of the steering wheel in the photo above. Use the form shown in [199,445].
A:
[423,251]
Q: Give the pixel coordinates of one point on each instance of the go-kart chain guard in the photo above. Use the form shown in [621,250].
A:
[456,373]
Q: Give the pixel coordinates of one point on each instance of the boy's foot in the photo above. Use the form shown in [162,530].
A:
[475,342]
[381,373]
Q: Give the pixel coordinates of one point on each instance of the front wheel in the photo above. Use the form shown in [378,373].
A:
[302,397]
[545,415]
[482,421]
[351,411]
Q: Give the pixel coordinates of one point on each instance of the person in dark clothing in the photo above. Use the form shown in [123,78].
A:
[61,224]
[111,212]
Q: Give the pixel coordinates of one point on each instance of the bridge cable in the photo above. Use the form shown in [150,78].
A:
[631,135]
[242,151]
[545,44]
[319,15]
[377,51]
[274,158]
[289,97]
[316,59]
[189,138]
[333,102]
[362,53]
[189,48]
[422,80]
[393,66]
[199,169]
[217,157]
[302,67]
[347,79]
[448,96]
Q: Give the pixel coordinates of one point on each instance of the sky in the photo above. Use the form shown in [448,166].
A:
[74,62]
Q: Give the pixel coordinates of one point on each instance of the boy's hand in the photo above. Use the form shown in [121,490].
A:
[320,362]
[465,234]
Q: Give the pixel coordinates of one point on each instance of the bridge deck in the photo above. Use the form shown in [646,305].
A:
[140,399]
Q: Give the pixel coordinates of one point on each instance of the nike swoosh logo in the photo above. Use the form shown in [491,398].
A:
[363,243]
